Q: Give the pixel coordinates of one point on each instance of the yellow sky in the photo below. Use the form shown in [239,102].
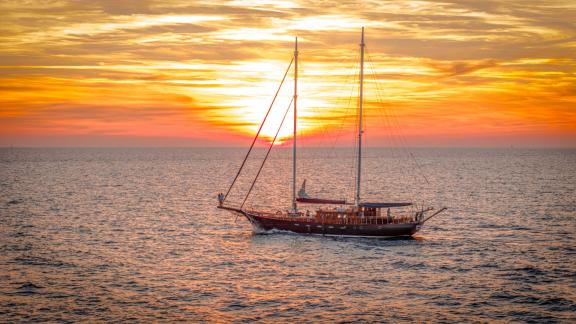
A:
[202,73]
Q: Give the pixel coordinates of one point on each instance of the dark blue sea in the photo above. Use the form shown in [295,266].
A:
[134,235]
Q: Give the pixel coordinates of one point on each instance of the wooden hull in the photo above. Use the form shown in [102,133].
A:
[267,223]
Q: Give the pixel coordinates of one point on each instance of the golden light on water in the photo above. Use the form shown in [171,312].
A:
[204,74]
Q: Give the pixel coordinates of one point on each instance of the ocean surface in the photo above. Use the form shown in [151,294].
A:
[133,235]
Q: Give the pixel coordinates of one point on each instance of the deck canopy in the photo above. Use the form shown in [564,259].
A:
[384,204]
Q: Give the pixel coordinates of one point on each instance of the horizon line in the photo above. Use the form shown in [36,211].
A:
[289,147]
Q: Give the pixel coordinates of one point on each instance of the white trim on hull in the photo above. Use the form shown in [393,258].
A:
[277,231]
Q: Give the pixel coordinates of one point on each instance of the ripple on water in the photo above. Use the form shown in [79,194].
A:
[41,261]
[106,235]
[14,201]
[25,289]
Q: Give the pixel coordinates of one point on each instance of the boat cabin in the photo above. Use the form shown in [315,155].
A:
[365,213]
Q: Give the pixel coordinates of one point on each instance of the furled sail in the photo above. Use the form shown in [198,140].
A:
[384,204]
[303,197]
[321,201]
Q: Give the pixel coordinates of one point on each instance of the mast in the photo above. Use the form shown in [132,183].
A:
[295,123]
[360,130]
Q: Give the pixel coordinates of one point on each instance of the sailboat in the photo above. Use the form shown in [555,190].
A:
[359,219]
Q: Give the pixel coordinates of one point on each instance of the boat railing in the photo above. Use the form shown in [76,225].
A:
[354,220]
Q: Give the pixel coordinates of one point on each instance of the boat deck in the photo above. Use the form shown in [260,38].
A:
[323,217]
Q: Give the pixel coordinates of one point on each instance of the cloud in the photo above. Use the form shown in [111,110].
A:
[111,65]
[461,68]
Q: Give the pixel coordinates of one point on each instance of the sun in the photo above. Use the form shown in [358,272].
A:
[253,97]
[254,85]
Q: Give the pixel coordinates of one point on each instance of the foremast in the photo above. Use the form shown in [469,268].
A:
[360,130]
[294,206]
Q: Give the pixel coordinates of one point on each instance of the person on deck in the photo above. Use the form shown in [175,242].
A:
[220,199]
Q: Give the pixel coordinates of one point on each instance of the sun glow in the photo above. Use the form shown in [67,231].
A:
[451,72]
[253,98]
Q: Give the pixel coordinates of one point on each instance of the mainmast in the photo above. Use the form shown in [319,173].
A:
[360,130]
[295,123]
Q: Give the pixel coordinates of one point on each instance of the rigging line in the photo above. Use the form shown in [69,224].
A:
[395,132]
[267,153]
[346,115]
[351,114]
[393,119]
[392,136]
[259,129]
[325,128]
[355,137]
[349,74]
[400,141]
[400,134]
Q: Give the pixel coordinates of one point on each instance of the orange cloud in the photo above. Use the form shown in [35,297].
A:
[447,73]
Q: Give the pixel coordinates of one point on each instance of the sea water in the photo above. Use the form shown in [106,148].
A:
[134,235]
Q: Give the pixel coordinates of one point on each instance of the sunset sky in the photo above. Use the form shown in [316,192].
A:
[202,73]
